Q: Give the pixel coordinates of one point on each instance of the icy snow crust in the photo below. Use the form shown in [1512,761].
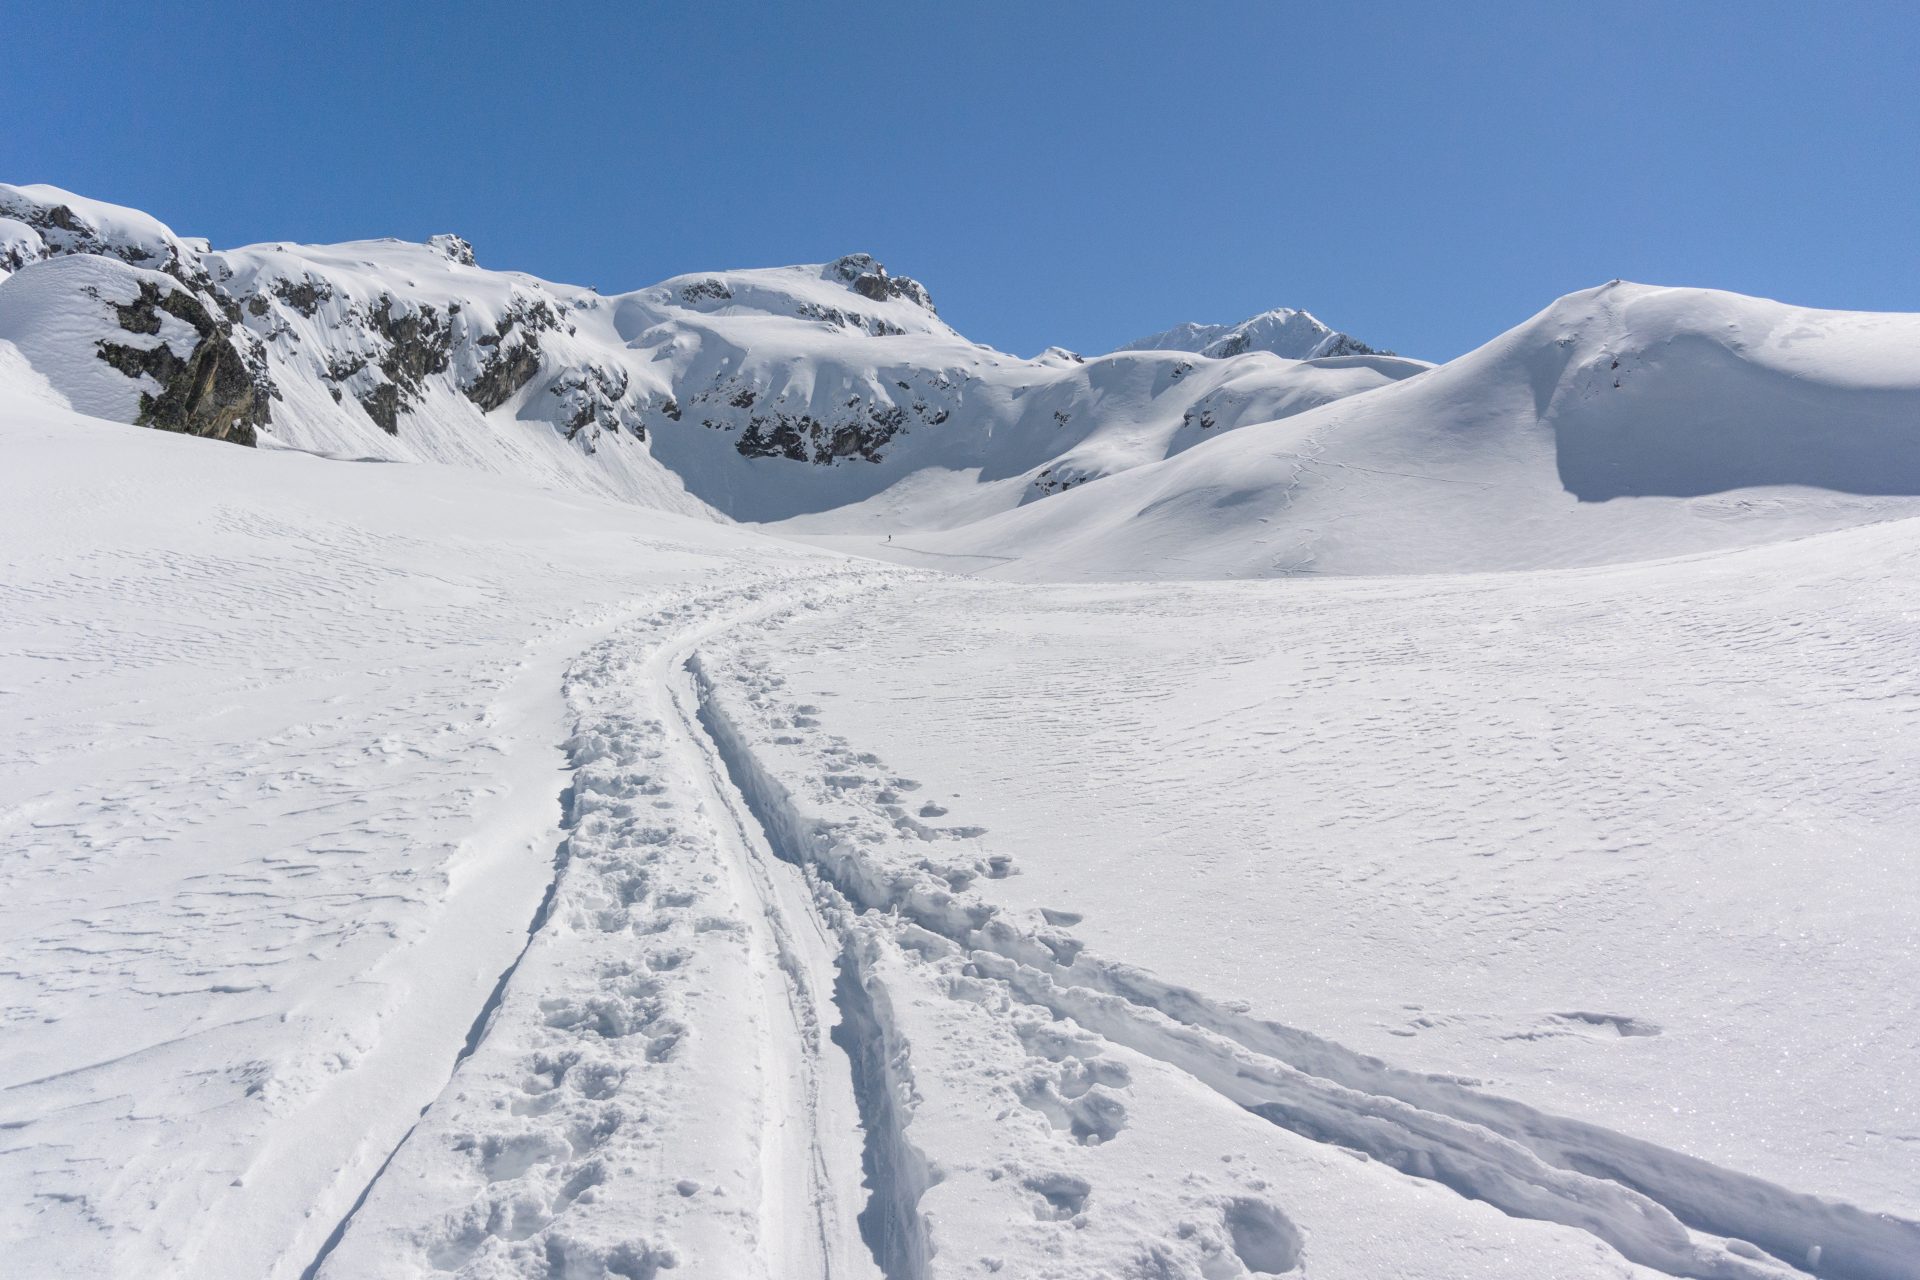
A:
[461,850]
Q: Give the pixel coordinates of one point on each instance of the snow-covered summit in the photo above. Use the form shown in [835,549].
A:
[1295,335]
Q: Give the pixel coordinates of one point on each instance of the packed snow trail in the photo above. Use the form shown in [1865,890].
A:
[278,777]
[662,1053]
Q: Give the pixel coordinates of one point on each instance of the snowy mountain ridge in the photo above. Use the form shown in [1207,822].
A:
[832,401]
[706,388]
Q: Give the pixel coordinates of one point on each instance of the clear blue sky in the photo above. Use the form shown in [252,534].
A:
[1422,175]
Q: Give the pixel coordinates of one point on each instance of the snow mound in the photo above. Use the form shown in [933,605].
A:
[1623,422]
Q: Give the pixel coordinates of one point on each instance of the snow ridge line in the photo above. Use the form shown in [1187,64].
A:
[339,1231]
[1638,1197]
[897,1173]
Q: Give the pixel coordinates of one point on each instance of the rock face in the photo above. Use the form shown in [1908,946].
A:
[210,392]
[870,280]
[204,376]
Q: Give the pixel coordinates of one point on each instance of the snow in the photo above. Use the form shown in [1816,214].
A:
[1234,816]
[1622,423]
[55,312]
[1283,331]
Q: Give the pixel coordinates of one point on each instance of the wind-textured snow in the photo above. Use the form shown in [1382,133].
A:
[445,840]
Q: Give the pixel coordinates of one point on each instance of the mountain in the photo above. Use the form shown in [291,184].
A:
[831,402]
[762,394]
[1292,335]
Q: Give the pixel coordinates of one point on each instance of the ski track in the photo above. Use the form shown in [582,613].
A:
[715,976]
[1658,1208]
[672,997]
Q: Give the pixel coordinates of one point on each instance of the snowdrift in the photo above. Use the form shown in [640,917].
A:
[1624,422]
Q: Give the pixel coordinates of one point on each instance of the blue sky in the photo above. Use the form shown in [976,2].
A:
[1423,176]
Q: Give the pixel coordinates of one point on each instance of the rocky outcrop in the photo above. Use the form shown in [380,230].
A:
[211,391]
[455,249]
[383,406]
[868,278]
[132,238]
[862,434]
[513,351]
[596,396]
[705,291]
[1290,334]
[304,295]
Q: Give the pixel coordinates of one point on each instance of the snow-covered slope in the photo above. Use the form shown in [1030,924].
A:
[411,872]
[1625,422]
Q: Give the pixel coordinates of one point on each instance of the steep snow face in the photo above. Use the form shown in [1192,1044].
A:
[1296,335]
[1623,422]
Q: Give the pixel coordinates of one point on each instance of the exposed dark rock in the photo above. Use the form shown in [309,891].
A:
[504,375]
[511,370]
[456,249]
[418,343]
[864,274]
[340,368]
[213,391]
[596,396]
[515,346]
[777,436]
[848,319]
[64,231]
[304,295]
[804,438]
[702,290]
[1343,345]
[383,406]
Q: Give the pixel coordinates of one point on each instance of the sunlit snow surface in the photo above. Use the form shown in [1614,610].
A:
[1227,817]
[1471,926]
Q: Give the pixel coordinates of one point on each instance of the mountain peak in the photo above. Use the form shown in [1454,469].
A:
[1283,331]
[867,276]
